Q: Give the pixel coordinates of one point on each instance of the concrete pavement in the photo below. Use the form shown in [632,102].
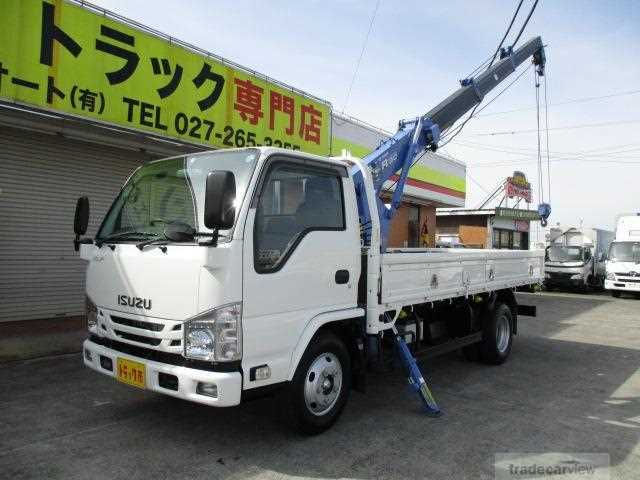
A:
[572,384]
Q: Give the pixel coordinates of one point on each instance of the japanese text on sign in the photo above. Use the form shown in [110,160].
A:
[72,60]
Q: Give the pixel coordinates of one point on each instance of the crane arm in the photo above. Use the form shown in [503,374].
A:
[396,156]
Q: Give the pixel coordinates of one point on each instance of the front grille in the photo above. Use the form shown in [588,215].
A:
[559,275]
[628,280]
[165,357]
[154,327]
[138,338]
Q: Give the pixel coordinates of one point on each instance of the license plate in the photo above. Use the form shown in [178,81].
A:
[131,373]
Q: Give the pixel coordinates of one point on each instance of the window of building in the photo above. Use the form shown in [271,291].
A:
[294,201]
[413,236]
[508,239]
[517,240]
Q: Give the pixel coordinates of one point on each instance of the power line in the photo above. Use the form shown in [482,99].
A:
[513,19]
[554,160]
[557,156]
[536,84]
[449,137]
[473,111]
[505,88]
[364,46]
[477,183]
[517,150]
[546,129]
[535,4]
[568,127]
[567,102]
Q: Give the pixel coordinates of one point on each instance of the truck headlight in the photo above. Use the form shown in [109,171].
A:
[215,335]
[611,276]
[91,312]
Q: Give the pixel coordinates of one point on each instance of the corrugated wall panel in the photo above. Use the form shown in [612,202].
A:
[41,176]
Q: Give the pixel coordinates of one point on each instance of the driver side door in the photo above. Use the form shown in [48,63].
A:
[302,258]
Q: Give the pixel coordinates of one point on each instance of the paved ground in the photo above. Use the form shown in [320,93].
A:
[572,385]
[30,339]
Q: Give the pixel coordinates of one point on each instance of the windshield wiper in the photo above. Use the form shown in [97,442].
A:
[124,236]
[155,241]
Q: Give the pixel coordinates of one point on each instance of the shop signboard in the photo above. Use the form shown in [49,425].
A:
[69,58]
[517,186]
[517,214]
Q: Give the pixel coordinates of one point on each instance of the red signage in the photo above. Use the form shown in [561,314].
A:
[517,186]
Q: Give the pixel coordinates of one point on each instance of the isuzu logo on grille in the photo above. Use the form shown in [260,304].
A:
[135,302]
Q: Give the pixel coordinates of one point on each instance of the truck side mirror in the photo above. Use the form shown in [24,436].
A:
[220,195]
[81,220]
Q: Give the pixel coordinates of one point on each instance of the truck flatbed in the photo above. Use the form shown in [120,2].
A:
[421,275]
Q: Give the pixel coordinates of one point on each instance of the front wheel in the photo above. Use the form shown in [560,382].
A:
[615,293]
[320,387]
[497,335]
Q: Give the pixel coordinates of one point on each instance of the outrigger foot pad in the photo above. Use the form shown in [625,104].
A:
[415,378]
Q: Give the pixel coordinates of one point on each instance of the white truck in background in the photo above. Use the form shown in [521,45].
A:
[224,275]
[575,258]
[623,260]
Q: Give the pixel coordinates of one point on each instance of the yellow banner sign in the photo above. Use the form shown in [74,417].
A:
[64,57]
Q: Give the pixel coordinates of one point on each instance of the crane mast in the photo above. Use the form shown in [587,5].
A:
[415,136]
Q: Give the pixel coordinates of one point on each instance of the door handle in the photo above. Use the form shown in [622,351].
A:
[342,277]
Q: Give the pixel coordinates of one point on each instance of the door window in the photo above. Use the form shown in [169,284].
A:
[294,201]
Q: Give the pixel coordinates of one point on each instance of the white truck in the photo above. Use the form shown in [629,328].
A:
[219,276]
[623,260]
[575,258]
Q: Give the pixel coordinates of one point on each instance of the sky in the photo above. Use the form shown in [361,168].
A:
[415,55]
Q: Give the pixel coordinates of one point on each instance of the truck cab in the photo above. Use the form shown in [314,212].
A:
[623,260]
[623,268]
[568,266]
[169,283]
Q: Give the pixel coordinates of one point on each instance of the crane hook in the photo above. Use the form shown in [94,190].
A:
[544,210]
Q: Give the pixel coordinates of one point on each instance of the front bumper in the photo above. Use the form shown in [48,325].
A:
[229,384]
[622,285]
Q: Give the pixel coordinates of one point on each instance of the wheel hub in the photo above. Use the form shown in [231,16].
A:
[323,384]
[503,332]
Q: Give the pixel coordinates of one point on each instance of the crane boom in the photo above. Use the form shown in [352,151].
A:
[415,136]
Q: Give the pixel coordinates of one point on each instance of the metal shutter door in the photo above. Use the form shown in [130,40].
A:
[41,176]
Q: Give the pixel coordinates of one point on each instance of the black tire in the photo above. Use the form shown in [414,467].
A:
[497,336]
[615,293]
[298,414]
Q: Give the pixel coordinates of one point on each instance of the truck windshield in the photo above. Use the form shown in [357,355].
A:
[564,254]
[172,191]
[625,252]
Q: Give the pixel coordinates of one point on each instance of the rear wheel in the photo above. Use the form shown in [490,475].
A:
[320,387]
[497,335]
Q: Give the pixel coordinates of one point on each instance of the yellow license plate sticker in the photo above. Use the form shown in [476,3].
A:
[131,373]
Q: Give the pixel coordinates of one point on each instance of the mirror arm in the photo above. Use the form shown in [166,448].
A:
[81,241]
[214,239]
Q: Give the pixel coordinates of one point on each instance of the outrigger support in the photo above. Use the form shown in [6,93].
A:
[415,378]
